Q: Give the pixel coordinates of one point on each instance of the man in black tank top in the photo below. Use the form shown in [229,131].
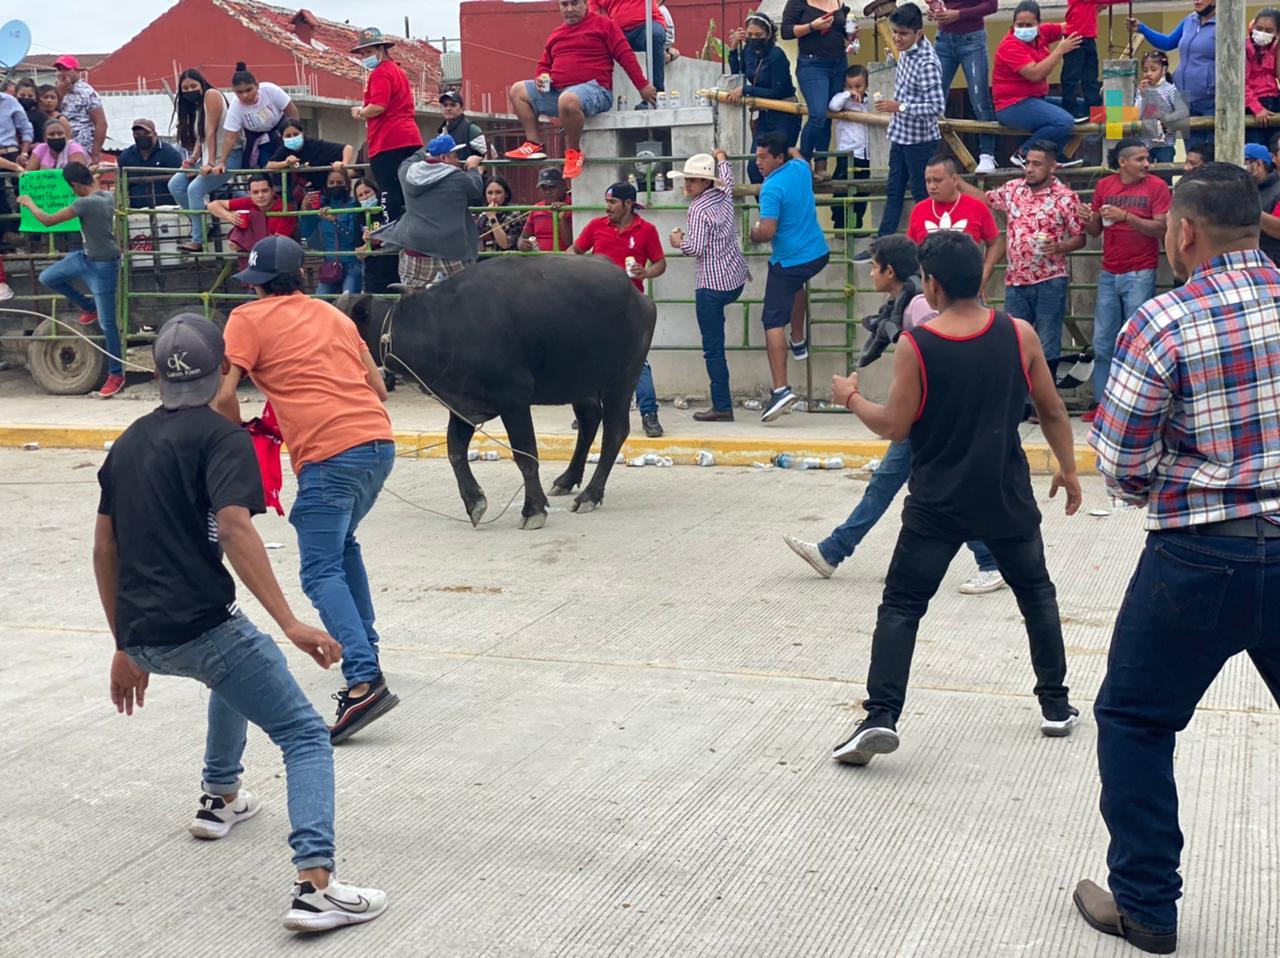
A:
[959,385]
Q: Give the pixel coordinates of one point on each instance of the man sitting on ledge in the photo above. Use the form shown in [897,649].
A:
[574,81]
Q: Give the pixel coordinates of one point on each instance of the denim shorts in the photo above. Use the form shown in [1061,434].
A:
[595,98]
[781,287]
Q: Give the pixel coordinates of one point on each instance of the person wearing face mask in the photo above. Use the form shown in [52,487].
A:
[58,149]
[1026,56]
[201,110]
[337,230]
[297,150]
[1261,88]
[29,96]
[766,73]
[1195,39]
[147,191]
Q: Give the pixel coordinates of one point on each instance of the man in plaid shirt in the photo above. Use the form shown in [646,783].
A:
[918,101]
[1189,426]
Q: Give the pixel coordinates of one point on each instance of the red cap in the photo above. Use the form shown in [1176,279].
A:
[67,62]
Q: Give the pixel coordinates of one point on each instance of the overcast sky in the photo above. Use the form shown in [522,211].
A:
[111,25]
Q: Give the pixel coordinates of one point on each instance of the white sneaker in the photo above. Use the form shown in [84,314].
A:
[983,582]
[216,818]
[1018,161]
[6,292]
[1066,164]
[332,907]
[1060,728]
[810,553]
[986,164]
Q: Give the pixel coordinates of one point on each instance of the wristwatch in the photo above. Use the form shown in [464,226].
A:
[902,108]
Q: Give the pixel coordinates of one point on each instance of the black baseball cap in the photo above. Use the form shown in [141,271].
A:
[453,95]
[188,355]
[270,257]
[622,191]
[550,176]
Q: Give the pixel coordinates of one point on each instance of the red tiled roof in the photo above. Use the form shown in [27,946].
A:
[44,61]
[330,43]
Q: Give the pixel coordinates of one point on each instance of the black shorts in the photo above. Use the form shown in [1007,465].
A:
[781,286]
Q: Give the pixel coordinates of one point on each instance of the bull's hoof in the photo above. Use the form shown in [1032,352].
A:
[535,521]
[477,510]
[560,489]
[585,505]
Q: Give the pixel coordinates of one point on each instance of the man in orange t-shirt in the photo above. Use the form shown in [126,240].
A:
[327,392]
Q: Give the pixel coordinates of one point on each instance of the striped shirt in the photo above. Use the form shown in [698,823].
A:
[1190,422]
[713,237]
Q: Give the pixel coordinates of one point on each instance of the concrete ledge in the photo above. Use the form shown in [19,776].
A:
[558,447]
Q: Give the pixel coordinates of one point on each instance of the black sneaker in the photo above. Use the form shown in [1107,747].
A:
[781,400]
[1059,724]
[874,735]
[652,428]
[357,711]
[863,257]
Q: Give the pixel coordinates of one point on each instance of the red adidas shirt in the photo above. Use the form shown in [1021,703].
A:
[640,240]
[395,128]
[965,214]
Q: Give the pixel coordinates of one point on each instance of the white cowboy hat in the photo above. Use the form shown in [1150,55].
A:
[701,166]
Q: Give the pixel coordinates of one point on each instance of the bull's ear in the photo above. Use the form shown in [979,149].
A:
[355,305]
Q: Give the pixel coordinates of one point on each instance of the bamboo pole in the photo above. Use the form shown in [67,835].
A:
[1229,75]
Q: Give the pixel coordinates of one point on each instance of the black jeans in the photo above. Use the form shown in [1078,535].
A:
[1193,603]
[920,560]
[1080,70]
[861,171]
[906,166]
[382,270]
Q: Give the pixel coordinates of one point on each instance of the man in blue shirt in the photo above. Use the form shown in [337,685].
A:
[147,191]
[788,219]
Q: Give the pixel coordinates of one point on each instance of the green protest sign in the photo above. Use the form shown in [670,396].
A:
[51,192]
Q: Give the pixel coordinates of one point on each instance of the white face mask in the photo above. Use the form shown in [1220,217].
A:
[1262,38]
[1026,34]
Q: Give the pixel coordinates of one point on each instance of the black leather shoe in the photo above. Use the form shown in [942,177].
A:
[652,428]
[713,415]
[1098,908]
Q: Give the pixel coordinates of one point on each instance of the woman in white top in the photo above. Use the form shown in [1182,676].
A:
[255,113]
[201,111]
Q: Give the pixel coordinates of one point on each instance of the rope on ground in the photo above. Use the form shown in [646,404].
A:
[76,332]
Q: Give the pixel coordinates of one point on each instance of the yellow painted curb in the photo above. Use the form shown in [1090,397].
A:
[728,451]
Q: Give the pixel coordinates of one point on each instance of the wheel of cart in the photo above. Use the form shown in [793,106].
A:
[63,363]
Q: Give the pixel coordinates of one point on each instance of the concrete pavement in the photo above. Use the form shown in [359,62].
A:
[613,740]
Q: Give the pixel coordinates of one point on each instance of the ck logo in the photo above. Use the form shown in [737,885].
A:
[253,257]
[177,363]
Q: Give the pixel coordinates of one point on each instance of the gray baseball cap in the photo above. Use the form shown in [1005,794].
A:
[188,354]
[270,257]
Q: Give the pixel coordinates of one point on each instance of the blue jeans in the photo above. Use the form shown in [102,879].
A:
[1162,154]
[333,496]
[101,277]
[658,47]
[1201,108]
[709,306]
[594,98]
[1044,119]
[1193,603]
[249,681]
[1043,305]
[352,279]
[771,121]
[192,192]
[1119,296]
[646,395]
[890,476]
[968,51]
[906,165]
[819,79]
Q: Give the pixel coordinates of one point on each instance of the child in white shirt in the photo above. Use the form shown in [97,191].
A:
[851,140]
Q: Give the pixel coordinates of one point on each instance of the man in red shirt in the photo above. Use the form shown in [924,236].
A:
[541,227]
[393,137]
[947,208]
[574,80]
[633,243]
[1131,207]
[238,212]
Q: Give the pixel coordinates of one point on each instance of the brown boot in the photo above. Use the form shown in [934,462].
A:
[1098,908]
[714,415]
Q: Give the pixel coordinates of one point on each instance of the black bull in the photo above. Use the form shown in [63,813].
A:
[511,333]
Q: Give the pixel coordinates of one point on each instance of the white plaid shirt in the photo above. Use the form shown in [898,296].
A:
[918,85]
[713,237]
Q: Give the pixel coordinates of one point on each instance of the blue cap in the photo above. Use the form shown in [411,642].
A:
[270,257]
[441,145]
[1256,151]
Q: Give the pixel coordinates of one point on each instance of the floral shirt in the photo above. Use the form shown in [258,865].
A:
[79,102]
[1054,211]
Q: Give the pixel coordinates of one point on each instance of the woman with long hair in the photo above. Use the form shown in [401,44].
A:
[499,228]
[201,111]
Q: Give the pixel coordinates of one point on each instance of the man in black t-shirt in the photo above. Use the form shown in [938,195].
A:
[178,488]
[300,150]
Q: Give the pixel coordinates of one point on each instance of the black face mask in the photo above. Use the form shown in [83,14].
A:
[28,102]
[57,145]
[143,142]
[337,194]
[192,96]
[758,44]
[1207,12]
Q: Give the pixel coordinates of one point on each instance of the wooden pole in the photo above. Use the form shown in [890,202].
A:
[1229,132]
